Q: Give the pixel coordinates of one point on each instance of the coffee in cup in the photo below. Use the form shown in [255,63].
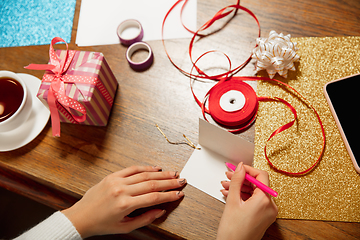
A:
[15,101]
[11,96]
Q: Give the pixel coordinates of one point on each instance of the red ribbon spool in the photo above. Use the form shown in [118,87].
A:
[238,118]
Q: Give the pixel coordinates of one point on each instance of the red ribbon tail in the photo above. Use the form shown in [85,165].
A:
[40,66]
[55,119]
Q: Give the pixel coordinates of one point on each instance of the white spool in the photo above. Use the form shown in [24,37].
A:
[232,101]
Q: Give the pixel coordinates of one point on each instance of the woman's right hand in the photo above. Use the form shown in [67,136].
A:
[248,210]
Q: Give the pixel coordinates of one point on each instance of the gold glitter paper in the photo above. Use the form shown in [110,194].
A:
[332,190]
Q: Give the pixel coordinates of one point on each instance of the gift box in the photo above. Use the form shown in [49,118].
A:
[78,87]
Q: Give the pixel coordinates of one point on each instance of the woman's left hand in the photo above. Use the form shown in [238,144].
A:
[105,207]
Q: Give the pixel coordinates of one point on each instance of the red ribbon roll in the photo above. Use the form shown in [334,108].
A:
[233,119]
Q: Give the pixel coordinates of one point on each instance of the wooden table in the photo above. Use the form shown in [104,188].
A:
[58,171]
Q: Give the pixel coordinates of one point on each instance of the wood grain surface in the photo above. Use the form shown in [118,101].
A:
[58,171]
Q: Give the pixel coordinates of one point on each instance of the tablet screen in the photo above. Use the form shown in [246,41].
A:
[345,98]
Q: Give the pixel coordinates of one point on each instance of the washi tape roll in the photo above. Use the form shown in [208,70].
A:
[143,65]
[130,23]
[233,104]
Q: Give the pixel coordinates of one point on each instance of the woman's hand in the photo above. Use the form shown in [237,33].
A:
[248,211]
[104,209]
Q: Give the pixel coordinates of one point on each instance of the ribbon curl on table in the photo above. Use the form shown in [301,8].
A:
[230,78]
[56,92]
[222,13]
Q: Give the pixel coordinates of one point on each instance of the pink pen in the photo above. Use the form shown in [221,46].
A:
[254,181]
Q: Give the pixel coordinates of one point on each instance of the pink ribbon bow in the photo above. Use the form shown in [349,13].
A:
[57,88]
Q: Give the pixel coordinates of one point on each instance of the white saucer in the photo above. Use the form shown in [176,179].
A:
[38,119]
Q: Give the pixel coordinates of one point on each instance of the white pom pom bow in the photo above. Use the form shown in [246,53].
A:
[275,54]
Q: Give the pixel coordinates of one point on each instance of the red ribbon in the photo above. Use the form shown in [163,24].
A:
[235,119]
[219,15]
[249,113]
[289,124]
[56,92]
[227,79]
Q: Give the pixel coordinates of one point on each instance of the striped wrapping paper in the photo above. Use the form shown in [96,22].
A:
[96,98]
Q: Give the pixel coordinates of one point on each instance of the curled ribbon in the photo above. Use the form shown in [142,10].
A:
[289,124]
[222,13]
[56,94]
[230,78]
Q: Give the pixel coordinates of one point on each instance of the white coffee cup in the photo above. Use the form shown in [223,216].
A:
[23,111]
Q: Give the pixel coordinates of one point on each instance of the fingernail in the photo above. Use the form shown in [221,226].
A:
[160,214]
[176,174]
[180,194]
[159,169]
[182,181]
[239,167]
